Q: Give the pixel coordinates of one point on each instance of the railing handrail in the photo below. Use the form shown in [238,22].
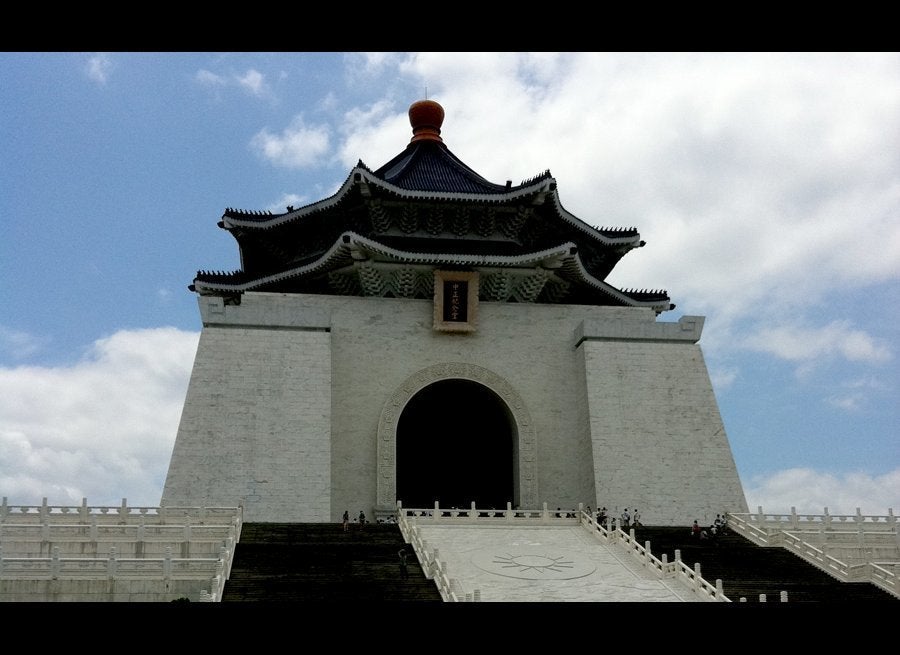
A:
[764,530]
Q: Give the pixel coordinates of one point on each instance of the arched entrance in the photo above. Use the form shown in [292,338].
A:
[524,459]
[455,445]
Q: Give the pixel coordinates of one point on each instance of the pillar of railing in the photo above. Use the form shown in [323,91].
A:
[111,564]
[784,597]
[697,576]
[55,565]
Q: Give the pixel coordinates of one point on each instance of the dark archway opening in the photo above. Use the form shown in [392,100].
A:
[455,446]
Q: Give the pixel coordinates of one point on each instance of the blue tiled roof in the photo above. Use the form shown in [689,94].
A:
[430,166]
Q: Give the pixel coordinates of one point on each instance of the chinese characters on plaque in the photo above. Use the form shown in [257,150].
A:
[455,300]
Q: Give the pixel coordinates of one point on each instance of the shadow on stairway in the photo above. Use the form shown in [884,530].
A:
[749,571]
[321,562]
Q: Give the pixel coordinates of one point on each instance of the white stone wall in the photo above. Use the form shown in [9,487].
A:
[287,392]
[256,424]
[659,442]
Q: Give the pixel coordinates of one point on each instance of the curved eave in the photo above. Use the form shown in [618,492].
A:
[659,303]
[353,247]
[361,175]
[543,185]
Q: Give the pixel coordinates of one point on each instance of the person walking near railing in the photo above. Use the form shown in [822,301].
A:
[346,520]
[404,566]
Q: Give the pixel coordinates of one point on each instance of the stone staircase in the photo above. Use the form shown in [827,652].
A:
[321,562]
[748,570]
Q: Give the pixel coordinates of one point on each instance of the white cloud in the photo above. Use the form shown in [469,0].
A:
[99,67]
[287,200]
[252,81]
[208,78]
[102,429]
[298,146]
[17,344]
[811,492]
[835,340]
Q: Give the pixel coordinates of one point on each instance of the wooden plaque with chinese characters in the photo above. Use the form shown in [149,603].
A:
[455,301]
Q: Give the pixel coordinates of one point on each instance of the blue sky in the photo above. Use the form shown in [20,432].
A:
[766,185]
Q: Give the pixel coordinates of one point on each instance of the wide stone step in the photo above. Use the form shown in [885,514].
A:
[748,570]
[321,562]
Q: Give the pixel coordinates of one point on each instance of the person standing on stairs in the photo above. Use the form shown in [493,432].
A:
[404,567]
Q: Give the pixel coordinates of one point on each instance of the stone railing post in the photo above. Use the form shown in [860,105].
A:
[783,596]
[509,512]
[45,511]
[167,563]
[795,521]
[545,515]
[4,510]
[94,528]
[697,576]
[83,511]
[111,564]
[55,565]
[123,511]
[720,590]
[760,517]
[826,517]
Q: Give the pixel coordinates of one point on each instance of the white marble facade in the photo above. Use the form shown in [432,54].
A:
[293,401]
